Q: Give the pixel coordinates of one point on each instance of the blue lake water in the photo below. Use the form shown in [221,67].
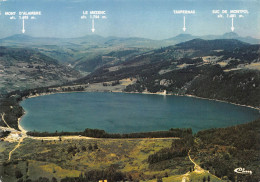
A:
[126,113]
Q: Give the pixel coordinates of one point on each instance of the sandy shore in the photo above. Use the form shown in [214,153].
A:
[19,124]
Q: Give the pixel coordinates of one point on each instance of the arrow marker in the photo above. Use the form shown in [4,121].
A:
[23,30]
[232,27]
[93,26]
[184,28]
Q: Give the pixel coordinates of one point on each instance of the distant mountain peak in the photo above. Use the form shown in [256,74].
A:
[19,37]
[230,35]
[182,38]
[92,36]
[184,35]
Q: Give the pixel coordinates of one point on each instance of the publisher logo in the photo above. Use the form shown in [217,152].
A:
[241,170]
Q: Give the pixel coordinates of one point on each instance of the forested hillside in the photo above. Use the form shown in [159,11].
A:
[217,69]
[23,68]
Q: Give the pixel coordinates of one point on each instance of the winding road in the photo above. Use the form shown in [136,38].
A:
[197,169]
[3,119]
[16,147]
[22,134]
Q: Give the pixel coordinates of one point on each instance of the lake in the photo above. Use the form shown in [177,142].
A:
[126,113]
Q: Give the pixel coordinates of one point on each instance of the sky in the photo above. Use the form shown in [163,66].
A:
[152,19]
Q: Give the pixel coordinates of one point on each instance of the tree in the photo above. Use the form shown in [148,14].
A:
[70,149]
[20,180]
[159,179]
[95,146]
[54,179]
[204,179]
[18,174]
[166,174]
[90,147]
[43,179]
[130,177]
[83,148]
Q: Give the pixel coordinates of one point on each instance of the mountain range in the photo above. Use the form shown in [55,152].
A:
[27,40]
[230,35]
[89,52]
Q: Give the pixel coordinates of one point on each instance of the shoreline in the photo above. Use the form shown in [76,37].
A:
[19,124]
[194,96]
[148,93]
[121,91]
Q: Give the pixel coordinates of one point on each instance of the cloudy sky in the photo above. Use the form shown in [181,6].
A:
[129,18]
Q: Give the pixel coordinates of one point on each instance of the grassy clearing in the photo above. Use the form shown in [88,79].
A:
[49,170]
[70,158]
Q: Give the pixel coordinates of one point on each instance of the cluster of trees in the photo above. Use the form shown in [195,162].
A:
[96,133]
[73,89]
[179,148]
[110,174]
[189,61]
[230,148]
[4,133]
[166,154]
[246,54]
[12,110]
[74,149]
[41,179]
[238,87]
[18,95]
[242,137]
[206,179]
